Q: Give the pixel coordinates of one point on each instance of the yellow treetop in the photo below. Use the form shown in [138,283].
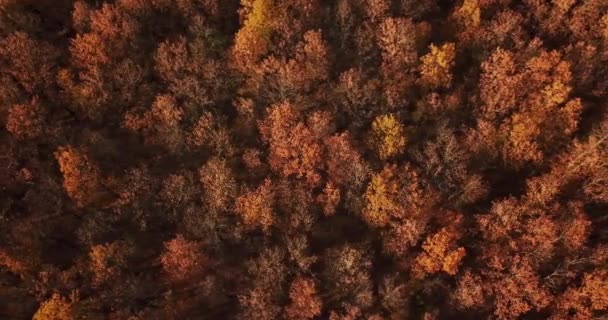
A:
[469,13]
[388,136]
[381,197]
[437,64]
[56,308]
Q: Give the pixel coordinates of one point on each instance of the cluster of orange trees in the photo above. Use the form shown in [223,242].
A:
[303,159]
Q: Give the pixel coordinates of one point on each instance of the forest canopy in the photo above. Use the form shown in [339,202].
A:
[303,159]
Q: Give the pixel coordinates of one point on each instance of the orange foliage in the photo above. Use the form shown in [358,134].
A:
[470,291]
[255,207]
[303,159]
[394,193]
[190,72]
[519,291]
[536,118]
[294,149]
[440,254]
[26,121]
[107,261]
[309,65]
[388,136]
[500,86]
[436,68]
[30,62]
[183,259]
[396,202]
[305,304]
[397,39]
[56,308]
[81,177]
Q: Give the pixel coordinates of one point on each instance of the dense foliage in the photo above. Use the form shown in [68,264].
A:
[303,159]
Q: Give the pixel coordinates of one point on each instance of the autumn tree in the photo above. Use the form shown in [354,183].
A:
[81,16]
[530,137]
[345,164]
[394,193]
[191,73]
[519,291]
[586,160]
[160,124]
[358,97]
[219,185]
[183,259]
[347,275]
[252,41]
[329,199]
[500,85]
[398,41]
[366,50]
[347,174]
[440,254]
[267,24]
[90,97]
[594,289]
[309,66]
[295,149]
[292,75]
[437,65]
[532,237]
[31,64]
[539,117]
[585,298]
[382,195]
[395,294]
[104,70]
[81,177]
[470,291]
[528,229]
[583,18]
[55,308]
[108,261]
[575,230]
[134,187]
[294,207]
[305,303]
[505,30]
[376,9]
[267,273]
[210,132]
[446,165]
[255,207]
[468,14]
[26,121]
[388,136]
[177,191]
[398,204]
[349,312]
